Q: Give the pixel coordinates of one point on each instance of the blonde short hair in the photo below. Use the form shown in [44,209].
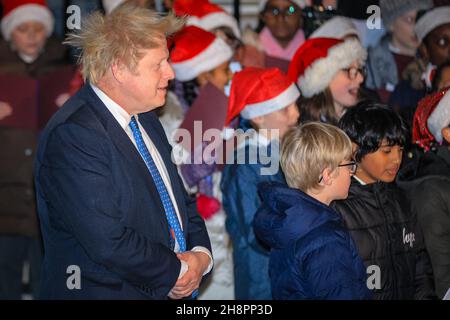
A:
[309,149]
[120,36]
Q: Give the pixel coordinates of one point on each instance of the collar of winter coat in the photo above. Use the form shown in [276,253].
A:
[288,214]
[368,190]
[428,166]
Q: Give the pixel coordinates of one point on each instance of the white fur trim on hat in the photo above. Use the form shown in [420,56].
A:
[431,20]
[25,13]
[319,75]
[110,5]
[279,102]
[440,117]
[217,53]
[215,20]
[337,27]
[300,3]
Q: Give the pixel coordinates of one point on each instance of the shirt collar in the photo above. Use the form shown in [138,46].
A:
[119,113]
[359,180]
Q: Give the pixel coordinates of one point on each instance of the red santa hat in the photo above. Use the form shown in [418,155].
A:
[318,60]
[300,3]
[256,92]
[195,51]
[16,12]
[206,15]
[431,116]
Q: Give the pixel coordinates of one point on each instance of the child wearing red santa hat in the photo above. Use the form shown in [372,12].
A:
[26,53]
[201,60]
[329,73]
[264,99]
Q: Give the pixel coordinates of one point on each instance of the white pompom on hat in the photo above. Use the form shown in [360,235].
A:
[440,117]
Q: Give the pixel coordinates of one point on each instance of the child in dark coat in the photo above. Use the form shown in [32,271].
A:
[312,256]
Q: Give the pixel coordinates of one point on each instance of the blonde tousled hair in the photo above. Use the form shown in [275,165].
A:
[309,149]
[120,36]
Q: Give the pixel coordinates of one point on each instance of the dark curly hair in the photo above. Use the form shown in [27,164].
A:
[368,124]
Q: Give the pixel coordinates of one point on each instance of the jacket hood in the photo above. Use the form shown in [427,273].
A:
[288,214]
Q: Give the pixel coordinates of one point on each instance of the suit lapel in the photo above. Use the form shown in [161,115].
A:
[128,151]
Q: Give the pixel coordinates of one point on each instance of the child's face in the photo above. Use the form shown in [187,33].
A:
[438,45]
[345,85]
[402,30]
[282,120]
[381,165]
[282,23]
[219,77]
[29,38]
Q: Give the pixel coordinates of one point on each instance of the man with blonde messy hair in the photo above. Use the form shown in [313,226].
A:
[116,220]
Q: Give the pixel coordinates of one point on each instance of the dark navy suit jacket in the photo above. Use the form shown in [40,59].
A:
[99,208]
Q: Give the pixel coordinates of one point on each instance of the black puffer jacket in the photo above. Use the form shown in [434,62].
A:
[427,185]
[387,235]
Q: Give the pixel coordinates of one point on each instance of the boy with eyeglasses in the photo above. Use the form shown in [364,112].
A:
[376,212]
[312,256]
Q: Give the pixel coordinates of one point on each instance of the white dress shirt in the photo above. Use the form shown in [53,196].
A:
[124,118]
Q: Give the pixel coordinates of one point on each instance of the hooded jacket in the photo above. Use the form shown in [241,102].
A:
[312,256]
[427,185]
[387,236]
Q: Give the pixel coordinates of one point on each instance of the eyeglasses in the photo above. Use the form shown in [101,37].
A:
[274,12]
[353,168]
[352,72]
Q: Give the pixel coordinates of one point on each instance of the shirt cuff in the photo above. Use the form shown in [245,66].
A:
[204,250]
[184,266]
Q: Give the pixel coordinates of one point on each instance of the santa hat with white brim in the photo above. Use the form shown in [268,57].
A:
[256,92]
[440,117]
[318,60]
[19,11]
[196,51]
[337,27]
[431,20]
[206,15]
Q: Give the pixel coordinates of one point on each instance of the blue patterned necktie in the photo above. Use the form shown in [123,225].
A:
[174,225]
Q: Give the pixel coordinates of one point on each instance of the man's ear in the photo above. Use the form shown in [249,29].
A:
[446,134]
[118,71]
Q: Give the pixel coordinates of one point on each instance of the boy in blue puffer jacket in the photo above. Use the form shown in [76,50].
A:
[312,256]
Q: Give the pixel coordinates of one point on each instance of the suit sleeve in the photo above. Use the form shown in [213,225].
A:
[75,179]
